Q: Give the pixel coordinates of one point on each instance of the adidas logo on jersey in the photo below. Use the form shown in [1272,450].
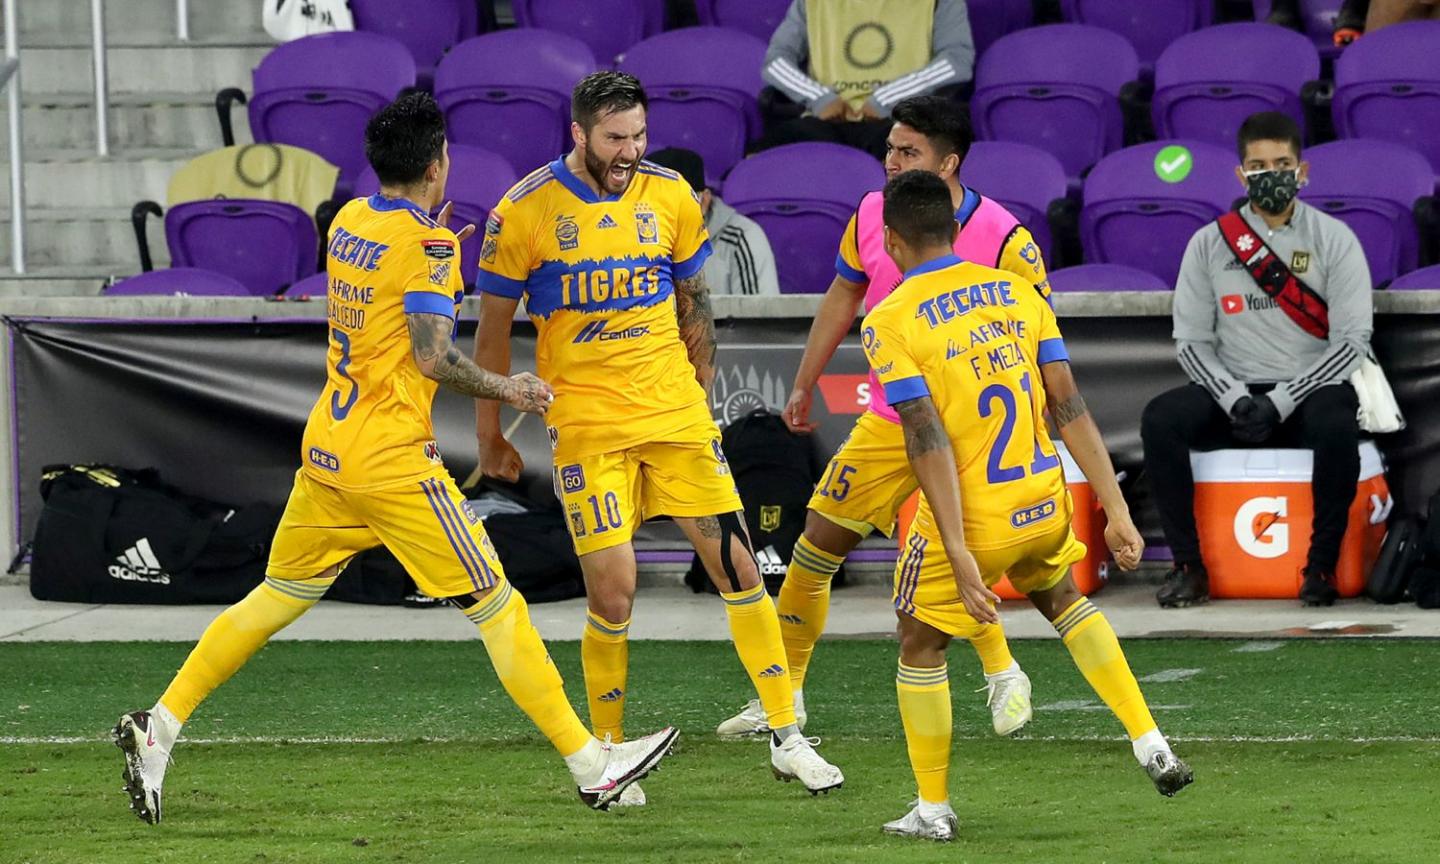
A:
[139,564]
[774,670]
[771,564]
[607,222]
[613,696]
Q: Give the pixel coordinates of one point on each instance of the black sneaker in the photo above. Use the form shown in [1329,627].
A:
[1186,585]
[1169,773]
[1318,589]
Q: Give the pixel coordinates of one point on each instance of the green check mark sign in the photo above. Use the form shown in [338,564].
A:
[1173,163]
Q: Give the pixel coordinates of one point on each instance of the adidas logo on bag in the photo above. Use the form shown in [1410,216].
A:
[139,564]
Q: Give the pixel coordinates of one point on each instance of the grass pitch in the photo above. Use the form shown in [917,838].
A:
[1308,750]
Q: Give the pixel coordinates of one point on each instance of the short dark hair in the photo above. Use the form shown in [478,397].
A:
[918,208]
[602,93]
[404,137]
[1268,126]
[938,119]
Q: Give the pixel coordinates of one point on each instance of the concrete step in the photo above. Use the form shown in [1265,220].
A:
[78,180]
[130,21]
[97,237]
[167,68]
[137,121]
[57,281]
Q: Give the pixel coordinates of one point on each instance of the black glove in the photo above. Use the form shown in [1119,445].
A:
[1254,419]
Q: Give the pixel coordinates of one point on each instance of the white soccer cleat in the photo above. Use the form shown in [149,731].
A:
[1009,700]
[633,796]
[926,821]
[145,763]
[796,759]
[624,764]
[751,721]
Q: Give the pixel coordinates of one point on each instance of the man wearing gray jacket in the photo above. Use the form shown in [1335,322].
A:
[1266,368]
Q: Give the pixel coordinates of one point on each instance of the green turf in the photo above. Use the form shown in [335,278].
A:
[484,786]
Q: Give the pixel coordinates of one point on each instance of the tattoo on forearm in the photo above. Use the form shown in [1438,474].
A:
[430,340]
[923,430]
[696,319]
[1070,410]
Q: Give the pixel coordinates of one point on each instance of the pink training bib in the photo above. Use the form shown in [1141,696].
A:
[984,228]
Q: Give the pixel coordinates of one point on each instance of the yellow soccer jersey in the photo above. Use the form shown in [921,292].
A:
[973,339]
[371,426]
[597,275]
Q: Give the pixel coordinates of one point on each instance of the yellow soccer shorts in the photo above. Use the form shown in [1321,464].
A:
[426,523]
[868,478]
[925,584]
[607,495]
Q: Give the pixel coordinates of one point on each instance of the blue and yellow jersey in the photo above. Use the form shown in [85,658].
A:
[597,276]
[371,426]
[973,339]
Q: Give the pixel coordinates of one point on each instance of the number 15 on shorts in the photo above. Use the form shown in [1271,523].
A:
[836,483]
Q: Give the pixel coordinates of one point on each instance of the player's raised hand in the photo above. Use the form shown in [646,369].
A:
[529,393]
[797,411]
[499,459]
[444,219]
[1125,542]
[979,601]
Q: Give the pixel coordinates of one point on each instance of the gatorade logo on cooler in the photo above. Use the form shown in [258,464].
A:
[1259,527]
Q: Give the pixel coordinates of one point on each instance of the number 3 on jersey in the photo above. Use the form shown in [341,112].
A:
[994,471]
[337,410]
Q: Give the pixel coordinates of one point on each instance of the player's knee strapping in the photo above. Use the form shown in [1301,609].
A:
[730,527]
[235,636]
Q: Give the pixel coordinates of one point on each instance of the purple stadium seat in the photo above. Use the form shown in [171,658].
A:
[1372,186]
[759,18]
[803,195]
[702,83]
[314,285]
[184,281]
[991,19]
[427,29]
[1424,279]
[1056,87]
[1149,25]
[265,245]
[608,28]
[1387,85]
[509,92]
[478,180]
[1105,277]
[318,92]
[1317,17]
[1199,99]
[1133,217]
[1023,178]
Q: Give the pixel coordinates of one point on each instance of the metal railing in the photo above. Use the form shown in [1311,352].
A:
[10,78]
[102,88]
[182,20]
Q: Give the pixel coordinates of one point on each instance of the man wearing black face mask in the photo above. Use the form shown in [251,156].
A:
[1269,342]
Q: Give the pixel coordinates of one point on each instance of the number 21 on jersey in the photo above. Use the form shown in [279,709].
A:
[1000,397]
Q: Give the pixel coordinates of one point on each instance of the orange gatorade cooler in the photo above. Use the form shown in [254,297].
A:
[1253,512]
[1087,521]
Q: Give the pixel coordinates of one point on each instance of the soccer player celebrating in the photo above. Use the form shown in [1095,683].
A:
[371,470]
[970,357]
[607,250]
[868,478]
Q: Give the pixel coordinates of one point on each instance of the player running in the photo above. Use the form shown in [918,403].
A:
[868,478]
[607,250]
[371,471]
[970,356]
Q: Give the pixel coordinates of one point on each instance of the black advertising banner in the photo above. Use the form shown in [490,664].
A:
[219,407]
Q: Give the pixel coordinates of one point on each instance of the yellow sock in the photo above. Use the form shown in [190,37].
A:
[989,642]
[235,636]
[756,632]
[924,696]
[1092,643]
[525,669]
[605,657]
[804,604]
